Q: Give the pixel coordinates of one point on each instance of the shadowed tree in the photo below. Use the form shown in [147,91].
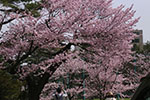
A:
[10,87]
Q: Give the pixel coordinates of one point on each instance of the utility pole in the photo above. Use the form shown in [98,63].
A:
[83,76]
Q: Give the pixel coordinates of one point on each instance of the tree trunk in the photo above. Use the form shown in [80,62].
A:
[36,84]
[34,93]
[33,88]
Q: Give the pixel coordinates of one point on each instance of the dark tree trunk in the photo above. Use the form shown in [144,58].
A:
[36,84]
[33,89]
[34,93]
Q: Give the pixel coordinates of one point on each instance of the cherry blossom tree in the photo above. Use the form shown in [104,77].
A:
[105,77]
[121,80]
[69,77]
[141,65]
[135,70]
[33,48]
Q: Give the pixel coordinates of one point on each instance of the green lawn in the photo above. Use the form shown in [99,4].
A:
[120,99]
[126,99]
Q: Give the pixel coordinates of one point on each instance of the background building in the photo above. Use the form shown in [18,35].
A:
[138,41]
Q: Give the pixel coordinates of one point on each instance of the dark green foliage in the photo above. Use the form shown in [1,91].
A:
[33,8]
[29,7]
[12,3]
[145,50]
[146,47]
[136,48]
[5,2]
[1,58]
[10,88]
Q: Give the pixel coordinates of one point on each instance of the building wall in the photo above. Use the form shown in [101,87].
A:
[139,39]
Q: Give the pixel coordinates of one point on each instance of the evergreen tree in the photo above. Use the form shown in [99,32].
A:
[10,87]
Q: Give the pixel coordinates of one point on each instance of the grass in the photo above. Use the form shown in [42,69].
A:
[119,99]
[126,99]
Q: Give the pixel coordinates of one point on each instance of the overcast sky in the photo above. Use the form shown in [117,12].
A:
[142,8]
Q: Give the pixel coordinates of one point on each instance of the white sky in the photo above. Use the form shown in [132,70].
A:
[142,8]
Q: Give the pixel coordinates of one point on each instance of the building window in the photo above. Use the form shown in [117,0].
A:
[136,41]
[137,32]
